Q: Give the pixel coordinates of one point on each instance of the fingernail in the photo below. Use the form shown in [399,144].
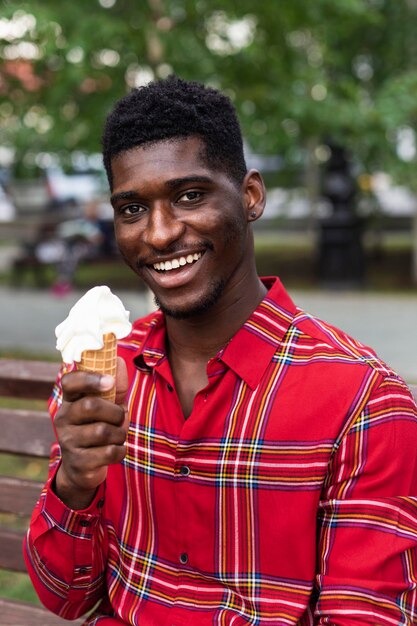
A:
[106,382]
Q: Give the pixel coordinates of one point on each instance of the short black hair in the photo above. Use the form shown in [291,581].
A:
[170,108]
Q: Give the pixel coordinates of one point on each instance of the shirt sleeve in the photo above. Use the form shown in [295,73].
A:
[65,550]
[367,562]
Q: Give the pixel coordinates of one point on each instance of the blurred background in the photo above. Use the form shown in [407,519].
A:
[326,92]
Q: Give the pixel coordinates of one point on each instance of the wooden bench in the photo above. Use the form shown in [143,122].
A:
[26,432]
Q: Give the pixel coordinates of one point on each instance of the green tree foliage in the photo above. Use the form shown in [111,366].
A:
[299,72]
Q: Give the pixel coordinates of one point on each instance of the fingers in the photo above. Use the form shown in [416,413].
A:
[75,384]
[89,443]
[91,432]
[96,434]
[90,409]
[82,471]
[99,457]
[86,468]
[78,384]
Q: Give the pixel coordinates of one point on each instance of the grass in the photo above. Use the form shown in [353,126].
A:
[28,467]
[17,353]
[16,586]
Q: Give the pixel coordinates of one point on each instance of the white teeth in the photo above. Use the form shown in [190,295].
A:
[165,266]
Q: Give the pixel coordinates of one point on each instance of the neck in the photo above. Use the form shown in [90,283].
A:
[204,335]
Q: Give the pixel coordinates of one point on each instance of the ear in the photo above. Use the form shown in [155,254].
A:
[254,195]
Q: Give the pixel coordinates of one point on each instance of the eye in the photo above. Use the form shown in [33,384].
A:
[131,209]
[190,196]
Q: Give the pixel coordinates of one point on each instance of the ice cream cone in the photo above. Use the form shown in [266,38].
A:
[103,361]
[88,336]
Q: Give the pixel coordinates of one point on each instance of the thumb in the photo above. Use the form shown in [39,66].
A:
[122,381]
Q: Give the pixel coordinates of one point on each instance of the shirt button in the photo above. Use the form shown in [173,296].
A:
[185,470]
[170,387]
[184,558]
[84,523]
[100,503]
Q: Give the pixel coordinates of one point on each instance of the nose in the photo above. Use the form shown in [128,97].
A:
[162,227]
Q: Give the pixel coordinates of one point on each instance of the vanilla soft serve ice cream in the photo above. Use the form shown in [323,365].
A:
[97,314]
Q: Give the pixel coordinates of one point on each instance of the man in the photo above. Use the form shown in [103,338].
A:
[268,473]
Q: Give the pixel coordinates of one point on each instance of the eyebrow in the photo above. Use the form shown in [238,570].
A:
[123,195]
[174,182]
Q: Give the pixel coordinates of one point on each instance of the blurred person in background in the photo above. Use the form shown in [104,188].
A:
[64,245]
[81,240]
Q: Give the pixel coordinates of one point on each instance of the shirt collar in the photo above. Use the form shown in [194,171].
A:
[152,350]
[259,336]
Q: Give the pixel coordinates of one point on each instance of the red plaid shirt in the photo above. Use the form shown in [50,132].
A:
[287,497]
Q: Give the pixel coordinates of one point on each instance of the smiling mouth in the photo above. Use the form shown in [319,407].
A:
[178,262]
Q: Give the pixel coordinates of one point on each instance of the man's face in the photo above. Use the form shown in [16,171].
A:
[181,226]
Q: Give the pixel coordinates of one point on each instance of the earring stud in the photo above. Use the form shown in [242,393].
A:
[253,214]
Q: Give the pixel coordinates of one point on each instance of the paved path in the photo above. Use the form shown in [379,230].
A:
[387,323]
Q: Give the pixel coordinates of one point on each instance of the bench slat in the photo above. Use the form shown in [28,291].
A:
[18,496]
[11,554]
[24,614]
[26,432]
[27,379]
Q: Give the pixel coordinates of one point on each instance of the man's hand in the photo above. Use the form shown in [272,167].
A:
[91,433]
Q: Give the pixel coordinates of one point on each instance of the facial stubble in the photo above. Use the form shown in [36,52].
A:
[235,231]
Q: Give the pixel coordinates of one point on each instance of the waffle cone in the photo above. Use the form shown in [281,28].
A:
[103,361]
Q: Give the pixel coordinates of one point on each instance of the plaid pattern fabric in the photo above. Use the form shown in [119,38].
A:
[287,497]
